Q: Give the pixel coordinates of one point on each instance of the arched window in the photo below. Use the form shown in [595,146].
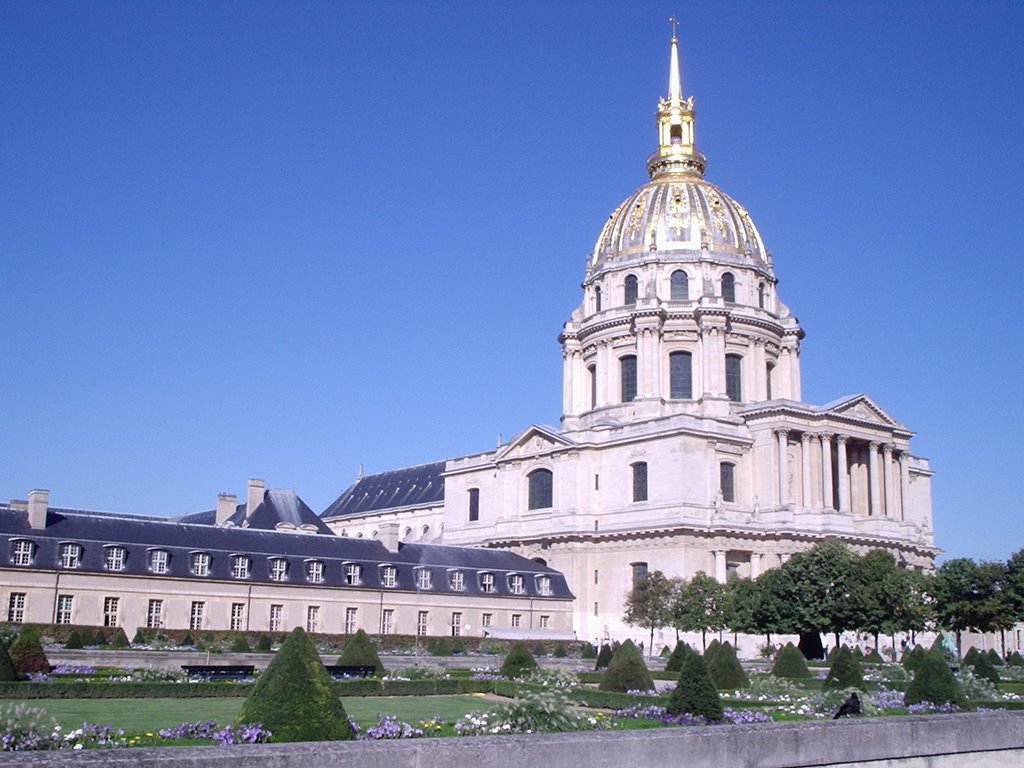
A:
[597,298]
[640,481]
[728,287]
[631,290]
[541,487]
[592,369]
[474,504]
[727,481]
[627,369]
[768,372]
[680,286]
[734,378]
[760,295]
[680,375]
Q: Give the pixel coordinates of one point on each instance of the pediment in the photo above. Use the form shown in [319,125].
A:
[533,441]
[862,408]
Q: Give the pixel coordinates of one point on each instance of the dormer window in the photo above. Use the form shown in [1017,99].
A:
[486,582]
[114,558]
[388,576]
[353,574]
[315,571]
[422,578]
[515,584]
[241,566]
[544,586]
[457,581]
[278,569]
[199,563]
[70,555]
[159,560]
[22,552]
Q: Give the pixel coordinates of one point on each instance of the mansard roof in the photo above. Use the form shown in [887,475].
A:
[280,510]
[418,486]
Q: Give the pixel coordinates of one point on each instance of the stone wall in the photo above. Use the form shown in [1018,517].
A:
[980,740]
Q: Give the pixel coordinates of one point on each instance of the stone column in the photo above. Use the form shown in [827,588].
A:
[904,486]
[603,373]
[783,440]
[755,565]
[720,570]
[844,474]
[805,469]
[873,480]
[887,476]
[760,376]
[826,471]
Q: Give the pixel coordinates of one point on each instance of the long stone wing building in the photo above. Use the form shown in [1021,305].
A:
[684,444]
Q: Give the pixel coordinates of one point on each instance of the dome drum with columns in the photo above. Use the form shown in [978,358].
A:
[684,444]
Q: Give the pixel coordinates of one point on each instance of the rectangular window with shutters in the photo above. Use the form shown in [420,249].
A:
[456,624]
[276,620]
[155,614]
[421,623]
[237,617]
[65,606]
[387,621]
[16,607]
[110,610]
[196,615]
[350,621]
[313,618]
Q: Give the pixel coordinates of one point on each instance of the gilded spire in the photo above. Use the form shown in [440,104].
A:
[677,152]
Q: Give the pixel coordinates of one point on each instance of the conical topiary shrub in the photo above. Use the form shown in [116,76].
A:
[994,657]
[100,638]
[627,671]
[711,650]
[604,657]
[119,639]
[695,693]
[845,671]
[971,657]
[27,653]
[791,663]
[874,657]
[519,662]
[983,668]
[912,660]
[239,644]
[360,651]
[140,637]
[938,645]
[587,651]
[1015,660]
[8,673]
[74,641]
[293,697]
[675,661]
[725,669]
[933,681]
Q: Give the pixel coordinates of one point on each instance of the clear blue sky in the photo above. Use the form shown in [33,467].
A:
[282,239]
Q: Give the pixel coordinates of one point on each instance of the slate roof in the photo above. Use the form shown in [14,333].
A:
[417,486]
[279,510]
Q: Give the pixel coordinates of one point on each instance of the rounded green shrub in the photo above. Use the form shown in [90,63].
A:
[695,693]
[360,651]
[845,671]
[725,669]
[790,663]
[27,653]
[8,673]
[675,661]
[984,669]
[293,698]
[74,641]
[627,671]
[519,662]
[263,645]
[604,657]
[239,644]
[933,681]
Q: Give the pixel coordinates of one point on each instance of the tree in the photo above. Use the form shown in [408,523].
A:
[815,589]
[697,606]
[293,698]
[969,596]
[648,604]
[739,606]
[877,590]
[1013,583]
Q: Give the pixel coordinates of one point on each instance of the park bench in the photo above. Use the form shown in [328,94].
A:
[341,671]
[219,671]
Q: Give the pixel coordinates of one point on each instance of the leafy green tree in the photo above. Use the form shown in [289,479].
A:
[695,693]
[1013,584]
[293,697]
[739,606]
[648,603]
[627,671]
[519,662]
[969,596]
[772,615]
[816,588]
[877,590]
[697,606]
[360,651]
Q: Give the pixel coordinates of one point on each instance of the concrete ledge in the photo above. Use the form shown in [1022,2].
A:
[993,739]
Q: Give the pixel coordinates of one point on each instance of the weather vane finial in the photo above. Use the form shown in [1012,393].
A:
[675,23]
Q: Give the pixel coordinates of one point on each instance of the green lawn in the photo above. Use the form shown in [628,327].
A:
[141,715]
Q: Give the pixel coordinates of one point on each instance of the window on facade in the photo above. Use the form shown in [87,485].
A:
[486,582]
[196,614]
[760,295]
[421,623]
[545,622]
[278,569]
[769,369]
[387,621]
[474,504]
[200,563]
[240,566]
[276,620]
[312,618]
[21,552]
[680,375]
[65,607]
[597,298]
[734,377]
[350,620]
[155,614]
[16,607]
[486,619]
[388,576]
[516,585]
[630,290]
[456,623]
[596,574]
[237,617]
[159,560]
[640,481]
[680,286]
[422,578]
[114,558]
[544,586]
[639,573]
[541,486]
[728,287]
[627,376]
[110,609]
[70,555]
[315,571]
[353,573]
[517,620]
[595,608]
[457,581]
[727,480]
[592,371]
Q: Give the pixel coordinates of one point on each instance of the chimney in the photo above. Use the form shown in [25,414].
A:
[37,504]
[226,505]
[388,535]
[255,495]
